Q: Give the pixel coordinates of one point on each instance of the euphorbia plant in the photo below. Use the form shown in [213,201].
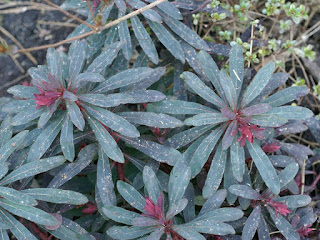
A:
[238,114]
[17,198]
[74,91]
[161,213]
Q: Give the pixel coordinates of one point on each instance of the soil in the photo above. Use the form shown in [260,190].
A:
[26,29]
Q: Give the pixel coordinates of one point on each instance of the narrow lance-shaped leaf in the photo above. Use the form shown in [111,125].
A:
[236,68]
[213,202]
[7,149]
[178,107]
[283,225]
[202,153]
[258,83]
[157,151]
[264,166]
[251,224]
[66,139]
[104,180]
[149,14]
[17,197]
[202,90]
[125,78]
[124,233]
[215,173]
[17,229]
[30,213]
[105,140]
[151,119]
[113,121]
[167,40]
[125,38]
[85,157]
[237,160]
[56,196]
[144,39]
[75,115]
[33,168]
[151,184]
[229,89]
[212,71]
[287,95]
[131,195]
[186,33]
[119,214]
[288,174]
[245,192]
[291,112]
[178,182]
[105,58]
[45,139]
[77,59]
[27,116]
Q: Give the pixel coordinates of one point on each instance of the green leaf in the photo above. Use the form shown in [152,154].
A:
[131,195]
[167,40]
[291,112]
[85,157]
[178,107]
[258,83]
[119,214]
[17,197]
[106,141]
[286,95]
[105,58]
[54,64]
[16,106]
[75,115]
[211,70]
[237,160]
[56,196]
[202,90]
[188,233]
[104,181]
[7,149]
[21,91]
[17,229]
[294,201]
[125,78]
[215,173]
[288,174]
[236,68]
[124,233]
[32,168]
[226,214]
[211,227]
[45,139]
[245,192]
[144,39]
[186,33]
[151,184]
[115,99]
[229,89]
[86,77]
[265,167]
[113,121]
[66,139]
[152,119]
[178,182]
[27,115]
[202,153]
[77,59]
[185,137]
[157,151]
[30,213]
[283,225]
[176,208]
[125,38]
[268,120]
[169,9]
[251,224]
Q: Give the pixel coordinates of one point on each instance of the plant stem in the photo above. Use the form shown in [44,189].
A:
[113,23]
